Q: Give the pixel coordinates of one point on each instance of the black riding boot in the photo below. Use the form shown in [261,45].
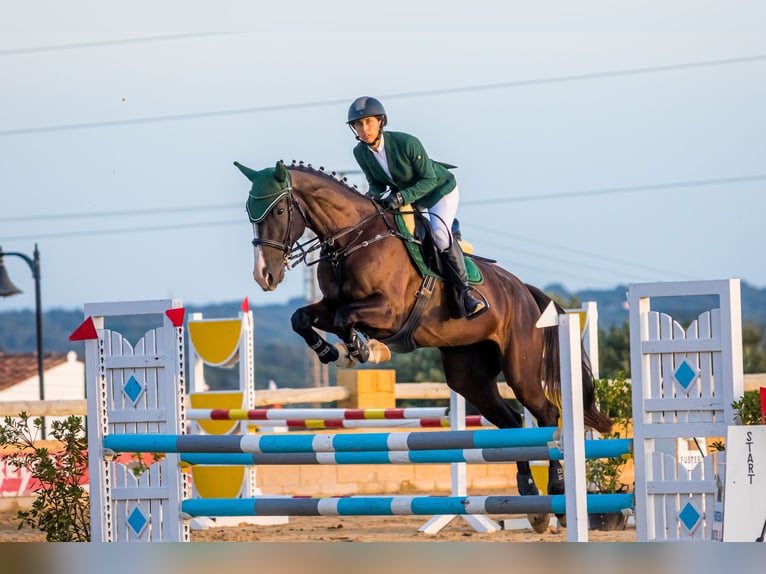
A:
[455,273]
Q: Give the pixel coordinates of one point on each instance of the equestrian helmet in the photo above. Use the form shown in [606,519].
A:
[365,107]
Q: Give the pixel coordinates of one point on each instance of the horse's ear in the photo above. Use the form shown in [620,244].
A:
[249,173]
[280,173]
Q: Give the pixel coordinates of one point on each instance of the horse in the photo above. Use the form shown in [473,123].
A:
[371,290]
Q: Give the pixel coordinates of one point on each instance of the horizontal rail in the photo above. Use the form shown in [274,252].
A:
[354,442]
[51,408]
[607,448]
[398,505]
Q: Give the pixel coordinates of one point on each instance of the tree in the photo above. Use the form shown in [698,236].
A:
[753,348]
[614,351]
[420,366]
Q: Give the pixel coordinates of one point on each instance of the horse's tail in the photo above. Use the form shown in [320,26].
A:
[551,369]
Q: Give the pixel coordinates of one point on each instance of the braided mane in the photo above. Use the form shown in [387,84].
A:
[321,173]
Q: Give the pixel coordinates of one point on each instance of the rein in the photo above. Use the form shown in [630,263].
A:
[337,255]
[300,252]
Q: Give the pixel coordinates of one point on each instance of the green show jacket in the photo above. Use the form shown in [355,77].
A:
[417,177]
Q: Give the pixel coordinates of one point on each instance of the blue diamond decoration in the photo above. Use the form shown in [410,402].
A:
[690,517]
[133,389]
[137,521]
[685,375]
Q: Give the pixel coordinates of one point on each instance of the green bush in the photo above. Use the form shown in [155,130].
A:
[615,400]
[61,508]
[749,408]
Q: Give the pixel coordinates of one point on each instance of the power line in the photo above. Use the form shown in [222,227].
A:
[239,222]
[605,271]
[615,190]
[519,198]
[117,42]
[392,96]
[209,224]
[158,211]
[629,265]
[511,262]
[591,76]
[118,231]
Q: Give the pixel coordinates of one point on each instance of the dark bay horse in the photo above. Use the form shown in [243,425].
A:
[370,286]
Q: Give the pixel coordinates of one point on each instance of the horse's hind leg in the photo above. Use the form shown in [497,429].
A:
[472,372]
[523,377]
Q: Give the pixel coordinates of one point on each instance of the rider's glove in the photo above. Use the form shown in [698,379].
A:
[392,201]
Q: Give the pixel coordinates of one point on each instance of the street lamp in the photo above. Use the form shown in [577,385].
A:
[7,289]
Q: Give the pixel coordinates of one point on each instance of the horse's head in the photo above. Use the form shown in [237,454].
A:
[272,210]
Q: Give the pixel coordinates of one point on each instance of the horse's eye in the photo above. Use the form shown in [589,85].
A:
[280,210]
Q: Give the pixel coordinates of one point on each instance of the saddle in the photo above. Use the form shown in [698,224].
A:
[416,230]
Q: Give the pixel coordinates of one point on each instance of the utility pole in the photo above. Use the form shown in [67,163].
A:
[320,375]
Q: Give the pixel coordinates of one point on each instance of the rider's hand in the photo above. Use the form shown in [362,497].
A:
[392,201]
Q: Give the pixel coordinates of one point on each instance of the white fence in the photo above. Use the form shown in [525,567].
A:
[684,381]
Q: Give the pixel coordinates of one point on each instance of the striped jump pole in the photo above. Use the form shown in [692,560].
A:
[428,440]
[321,424]
[398,505]
[593,449]
[327,414]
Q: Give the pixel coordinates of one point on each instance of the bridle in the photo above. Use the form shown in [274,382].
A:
[284,245]
[328,246]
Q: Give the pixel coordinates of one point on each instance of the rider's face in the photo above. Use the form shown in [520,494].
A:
[367,128]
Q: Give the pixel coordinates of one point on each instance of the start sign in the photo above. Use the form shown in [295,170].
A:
[744,500]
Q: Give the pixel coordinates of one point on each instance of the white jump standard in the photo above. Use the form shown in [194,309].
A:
[684,382]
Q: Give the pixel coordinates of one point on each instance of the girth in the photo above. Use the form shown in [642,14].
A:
[402,341]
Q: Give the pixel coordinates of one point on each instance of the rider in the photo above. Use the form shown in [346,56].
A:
[399,172]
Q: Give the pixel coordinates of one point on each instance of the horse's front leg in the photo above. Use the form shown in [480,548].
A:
[375,313]
[306,319]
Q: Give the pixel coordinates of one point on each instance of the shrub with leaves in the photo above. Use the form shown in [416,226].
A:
[138,464]
[614,398]
[749,408]
[61,507]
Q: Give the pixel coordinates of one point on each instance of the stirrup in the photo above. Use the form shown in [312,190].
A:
[357,349]
[473,306]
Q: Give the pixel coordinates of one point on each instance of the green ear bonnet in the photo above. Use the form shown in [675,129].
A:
[269,186]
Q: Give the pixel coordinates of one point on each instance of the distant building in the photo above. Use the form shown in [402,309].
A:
[64,378]
[63,374]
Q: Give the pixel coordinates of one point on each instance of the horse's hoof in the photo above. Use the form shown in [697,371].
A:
[379,352]
[344,360]
[526,485]
[538,522]
[556,481]
[562,520]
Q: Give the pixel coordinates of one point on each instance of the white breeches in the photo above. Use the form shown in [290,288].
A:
[441,217]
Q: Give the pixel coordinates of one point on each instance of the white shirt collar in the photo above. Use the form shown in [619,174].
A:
[380,155]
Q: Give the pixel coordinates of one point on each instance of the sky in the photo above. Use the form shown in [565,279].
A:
[598,143]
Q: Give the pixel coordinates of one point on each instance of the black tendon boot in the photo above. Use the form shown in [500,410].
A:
[455,274]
